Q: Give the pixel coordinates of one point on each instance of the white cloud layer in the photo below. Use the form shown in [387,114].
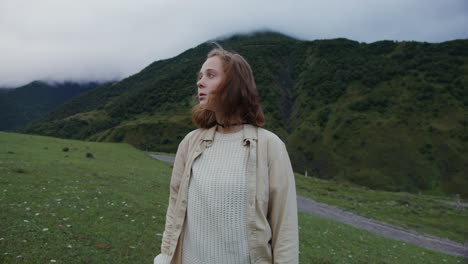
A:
[110,39]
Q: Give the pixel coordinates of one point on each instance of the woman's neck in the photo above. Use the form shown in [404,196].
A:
[229,129]
[236,127]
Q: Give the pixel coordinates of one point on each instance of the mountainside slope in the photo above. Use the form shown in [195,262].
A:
[31,102]
[387,115]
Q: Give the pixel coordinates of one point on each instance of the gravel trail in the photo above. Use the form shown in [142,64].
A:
[163,158]
[381,228]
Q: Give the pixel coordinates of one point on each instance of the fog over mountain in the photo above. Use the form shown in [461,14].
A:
[105,40]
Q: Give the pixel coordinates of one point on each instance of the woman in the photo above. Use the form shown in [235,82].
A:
[232,196]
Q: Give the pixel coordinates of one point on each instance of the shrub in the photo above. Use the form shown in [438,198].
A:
[20,170]
[376,103]
[323,116]
[404,200]
[373,179]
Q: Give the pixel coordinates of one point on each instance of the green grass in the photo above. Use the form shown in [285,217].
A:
[63,206]
[59,205]
[435,215]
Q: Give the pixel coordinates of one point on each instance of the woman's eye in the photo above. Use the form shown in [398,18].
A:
[211,75]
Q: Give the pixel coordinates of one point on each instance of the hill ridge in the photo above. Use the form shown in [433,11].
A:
[388,115]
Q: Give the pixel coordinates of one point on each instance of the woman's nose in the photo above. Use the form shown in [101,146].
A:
[200,83]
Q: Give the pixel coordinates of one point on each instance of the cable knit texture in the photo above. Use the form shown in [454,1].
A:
[216,224]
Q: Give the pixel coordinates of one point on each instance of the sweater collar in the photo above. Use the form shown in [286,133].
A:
[250,133]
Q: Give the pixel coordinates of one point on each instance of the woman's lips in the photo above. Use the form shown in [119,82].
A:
[201,96]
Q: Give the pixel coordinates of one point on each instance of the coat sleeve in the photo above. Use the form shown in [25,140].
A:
[169,233]
[282,214]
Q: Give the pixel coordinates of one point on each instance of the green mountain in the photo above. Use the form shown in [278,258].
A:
[31,102]
[387,115]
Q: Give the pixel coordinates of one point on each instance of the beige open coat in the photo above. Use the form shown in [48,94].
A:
[272,212]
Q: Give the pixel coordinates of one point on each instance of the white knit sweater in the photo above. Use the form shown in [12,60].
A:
[216,224]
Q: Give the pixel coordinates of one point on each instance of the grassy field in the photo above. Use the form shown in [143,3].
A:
[60,206]
[435,215]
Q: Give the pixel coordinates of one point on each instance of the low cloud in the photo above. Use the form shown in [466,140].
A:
[106,40]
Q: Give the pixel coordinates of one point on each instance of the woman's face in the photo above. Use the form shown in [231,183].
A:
[210,77]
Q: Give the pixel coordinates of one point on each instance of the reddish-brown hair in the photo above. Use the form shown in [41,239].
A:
[236,100]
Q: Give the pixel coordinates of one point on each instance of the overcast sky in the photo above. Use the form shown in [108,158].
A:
[102,40]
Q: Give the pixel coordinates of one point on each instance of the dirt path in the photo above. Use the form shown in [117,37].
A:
[381,228]
[374,226]
[163,158]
